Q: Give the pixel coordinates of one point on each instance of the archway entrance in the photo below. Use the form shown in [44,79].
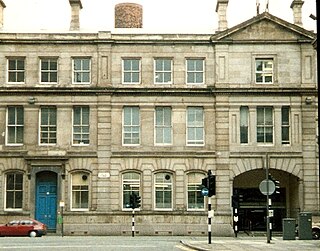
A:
[46,198]
[253,204]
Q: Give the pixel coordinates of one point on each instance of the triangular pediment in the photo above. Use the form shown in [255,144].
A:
[264,27]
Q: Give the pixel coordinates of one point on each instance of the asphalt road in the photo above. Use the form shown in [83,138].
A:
[93,243]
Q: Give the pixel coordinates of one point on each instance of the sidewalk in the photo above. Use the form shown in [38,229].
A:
[250,244]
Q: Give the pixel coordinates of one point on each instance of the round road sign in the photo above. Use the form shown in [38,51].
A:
[267,187]
[204,191]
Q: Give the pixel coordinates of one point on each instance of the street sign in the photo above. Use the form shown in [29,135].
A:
[267,184]
[204,191]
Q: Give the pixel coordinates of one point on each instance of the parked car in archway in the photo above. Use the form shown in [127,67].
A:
[28,227]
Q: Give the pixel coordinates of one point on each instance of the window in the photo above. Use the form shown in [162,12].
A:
[81,70]
[163,126]
[14,191]
[131,71]
[163,71]
[163,191]
[195,126]
[15,125]
[49,70]
[264,125]
[131,126]
[195,197]
[130,184]
[48,125]
[81,125]
[16,70]
[80,191]
[264,71]
[244,124]
[195,71]
[285,125]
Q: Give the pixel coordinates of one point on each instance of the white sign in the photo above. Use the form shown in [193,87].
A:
[104,175]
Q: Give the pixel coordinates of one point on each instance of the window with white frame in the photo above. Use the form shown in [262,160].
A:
[163,191]
[80,191]
[16,70]
[163,125]
[195,71]
[163,71]
[264,71]
[244,124]
[131,125]
[81,70]
[130,185]
[195,126]
[15,125]
[48,125]
[81,125]
[264,124]
[48,70]
[14,191]
[285,125]
[131,71]
[195,197]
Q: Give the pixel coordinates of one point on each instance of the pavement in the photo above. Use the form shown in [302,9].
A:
[248,243]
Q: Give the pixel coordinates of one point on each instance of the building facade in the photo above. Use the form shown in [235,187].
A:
[88,118]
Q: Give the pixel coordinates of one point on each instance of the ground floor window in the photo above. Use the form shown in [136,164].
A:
[14,191]
[130,184]
[195,198]
[163,191]
[80,191]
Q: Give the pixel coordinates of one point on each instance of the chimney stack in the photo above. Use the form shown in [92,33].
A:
[128,15]
[221,9]
[2,6]
[296,7]
[76,6]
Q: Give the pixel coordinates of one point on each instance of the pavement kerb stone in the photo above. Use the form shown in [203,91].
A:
[185,243]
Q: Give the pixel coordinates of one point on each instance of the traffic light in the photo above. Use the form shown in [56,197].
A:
[276,184]
[135,201]
[210,183]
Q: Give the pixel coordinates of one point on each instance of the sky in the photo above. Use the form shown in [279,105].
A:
[159,16]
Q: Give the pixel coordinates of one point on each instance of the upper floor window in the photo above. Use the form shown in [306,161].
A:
[48,125]
[16,70]
[49,70]
[80,191]
[195,198]
[163,191]
[264,124]
[195,126]
[131,71]
[14,191]
[130,184]
[163,71]
[244,124]
[81,125]
[285,125]
[264,71]
[15,125]
[81,70]
[195,71]
[163,125]
[131,126]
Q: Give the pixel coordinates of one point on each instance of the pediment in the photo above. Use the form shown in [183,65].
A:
[264,27]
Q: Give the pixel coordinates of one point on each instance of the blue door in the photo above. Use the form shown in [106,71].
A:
[46,199]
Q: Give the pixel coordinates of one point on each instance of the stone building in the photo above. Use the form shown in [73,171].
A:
[88,118]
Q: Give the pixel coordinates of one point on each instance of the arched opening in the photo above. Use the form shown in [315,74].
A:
[253,204]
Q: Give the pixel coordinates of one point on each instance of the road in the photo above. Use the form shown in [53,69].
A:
[93,243]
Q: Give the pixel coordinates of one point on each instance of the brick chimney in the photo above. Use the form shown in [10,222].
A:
[76,6]
[2,6]
[221,9]
[296,7]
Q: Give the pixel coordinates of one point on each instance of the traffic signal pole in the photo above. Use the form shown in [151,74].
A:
[132,228]
[267,208]
[209,220]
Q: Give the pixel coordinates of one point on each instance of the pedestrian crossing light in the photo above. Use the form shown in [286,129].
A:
[276,184]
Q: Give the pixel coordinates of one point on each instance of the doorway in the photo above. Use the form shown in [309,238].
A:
[46,199]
